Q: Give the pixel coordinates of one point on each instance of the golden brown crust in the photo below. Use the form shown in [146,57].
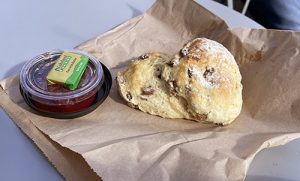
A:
[142,87]
[208,77]
[201,82]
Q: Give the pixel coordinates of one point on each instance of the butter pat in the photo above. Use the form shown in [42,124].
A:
[68,70]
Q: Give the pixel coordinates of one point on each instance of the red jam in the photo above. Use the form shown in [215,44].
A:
[57,98]
[66,108]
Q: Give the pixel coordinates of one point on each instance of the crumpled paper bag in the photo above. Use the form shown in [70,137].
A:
[120,143]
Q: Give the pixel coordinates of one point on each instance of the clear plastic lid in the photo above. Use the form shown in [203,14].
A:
[33,78]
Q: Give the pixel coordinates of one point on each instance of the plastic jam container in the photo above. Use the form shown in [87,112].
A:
[56,100]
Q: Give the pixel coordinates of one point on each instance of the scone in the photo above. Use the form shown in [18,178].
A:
[206,75]
[141,85]
[202,82]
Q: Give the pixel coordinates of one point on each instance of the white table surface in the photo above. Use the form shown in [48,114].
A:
[32,27]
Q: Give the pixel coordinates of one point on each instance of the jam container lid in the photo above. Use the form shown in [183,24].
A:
[93,88]
[33,73]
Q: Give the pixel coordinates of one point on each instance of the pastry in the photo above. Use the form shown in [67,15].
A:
[141,85]
[201,82]
[206,75]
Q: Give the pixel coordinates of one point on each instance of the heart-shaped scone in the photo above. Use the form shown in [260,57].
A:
[202,82]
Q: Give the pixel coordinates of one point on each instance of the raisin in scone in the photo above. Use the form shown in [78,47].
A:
[206,75]
[141,85]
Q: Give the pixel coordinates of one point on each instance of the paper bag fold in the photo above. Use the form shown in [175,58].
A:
[118,142]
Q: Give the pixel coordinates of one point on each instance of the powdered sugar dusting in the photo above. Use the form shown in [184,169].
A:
[210,80]
[202,47]
[207,82]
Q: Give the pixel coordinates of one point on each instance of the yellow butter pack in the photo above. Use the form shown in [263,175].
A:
[68,70]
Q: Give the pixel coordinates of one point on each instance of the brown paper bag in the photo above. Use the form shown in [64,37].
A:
[120,143]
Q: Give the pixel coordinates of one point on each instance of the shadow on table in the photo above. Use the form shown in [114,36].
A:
[14,70]
[135,12]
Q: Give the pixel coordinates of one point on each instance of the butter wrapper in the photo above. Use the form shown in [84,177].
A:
[68,70]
